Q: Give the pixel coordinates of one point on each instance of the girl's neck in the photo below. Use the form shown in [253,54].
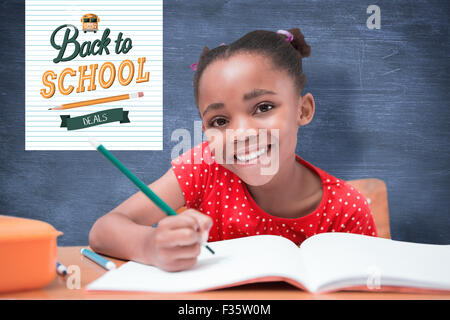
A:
[293,192]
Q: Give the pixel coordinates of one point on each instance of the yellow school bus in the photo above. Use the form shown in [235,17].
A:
[90,22]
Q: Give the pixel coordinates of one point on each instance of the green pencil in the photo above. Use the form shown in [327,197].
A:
[142,186]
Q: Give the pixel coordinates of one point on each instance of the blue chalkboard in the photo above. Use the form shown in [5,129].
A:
[382,99]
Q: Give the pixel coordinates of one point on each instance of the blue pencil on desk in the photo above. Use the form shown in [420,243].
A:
[105,263]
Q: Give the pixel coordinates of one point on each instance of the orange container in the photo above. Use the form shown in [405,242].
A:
[27,253]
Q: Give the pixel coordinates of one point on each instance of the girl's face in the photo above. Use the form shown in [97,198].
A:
[251,113]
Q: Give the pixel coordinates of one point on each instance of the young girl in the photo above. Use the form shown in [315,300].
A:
[249,88]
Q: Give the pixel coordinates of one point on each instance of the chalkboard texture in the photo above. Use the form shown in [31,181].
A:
[382,99]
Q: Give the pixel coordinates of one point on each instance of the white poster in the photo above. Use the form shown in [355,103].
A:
[93,68]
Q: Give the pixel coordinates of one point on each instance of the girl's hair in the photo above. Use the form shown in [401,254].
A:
[284,55]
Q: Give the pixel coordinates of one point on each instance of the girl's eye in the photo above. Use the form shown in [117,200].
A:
[218,122]
[264,107]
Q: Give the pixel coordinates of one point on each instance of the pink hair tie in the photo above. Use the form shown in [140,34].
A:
[289,35]
[194,66]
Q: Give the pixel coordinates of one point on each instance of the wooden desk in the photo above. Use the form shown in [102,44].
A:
[90,271]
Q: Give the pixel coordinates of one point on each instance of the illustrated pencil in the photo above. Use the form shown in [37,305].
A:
[141,185]
[98,101]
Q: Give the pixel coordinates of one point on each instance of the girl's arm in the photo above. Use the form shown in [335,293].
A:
[126,232]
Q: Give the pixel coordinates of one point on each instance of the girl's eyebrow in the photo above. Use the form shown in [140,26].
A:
[213,106]
[248,96]
[256,93]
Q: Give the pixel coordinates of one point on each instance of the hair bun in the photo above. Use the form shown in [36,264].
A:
[299,43]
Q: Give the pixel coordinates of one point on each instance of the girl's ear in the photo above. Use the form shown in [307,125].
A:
[306,109]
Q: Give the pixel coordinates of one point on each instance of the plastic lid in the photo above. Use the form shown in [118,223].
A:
[14,228]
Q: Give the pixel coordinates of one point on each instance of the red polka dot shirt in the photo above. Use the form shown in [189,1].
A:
[219,193]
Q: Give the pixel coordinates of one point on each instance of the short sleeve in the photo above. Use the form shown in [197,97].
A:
[191,170]
[357,216]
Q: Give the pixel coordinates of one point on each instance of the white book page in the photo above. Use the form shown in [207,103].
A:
[234,261]
[337,260]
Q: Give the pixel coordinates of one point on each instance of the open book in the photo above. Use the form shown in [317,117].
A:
[324,262]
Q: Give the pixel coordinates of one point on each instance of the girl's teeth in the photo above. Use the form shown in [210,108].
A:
[251,156]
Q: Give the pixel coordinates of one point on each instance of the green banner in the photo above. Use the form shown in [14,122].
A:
[94,119]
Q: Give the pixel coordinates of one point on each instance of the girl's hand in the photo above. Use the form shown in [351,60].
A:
[175,244]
